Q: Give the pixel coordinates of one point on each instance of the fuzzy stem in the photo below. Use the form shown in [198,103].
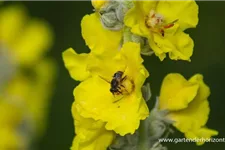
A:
[143,143]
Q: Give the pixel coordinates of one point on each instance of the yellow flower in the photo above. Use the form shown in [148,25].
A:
[93,30]
[10,121]
[25,40]
[90,134]
[162,23]
[12,118]
[122,111]
[187,103]
[10,139]
[26,83]
[97,4]
[25,97]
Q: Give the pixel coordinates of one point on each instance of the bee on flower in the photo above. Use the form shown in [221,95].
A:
[119,107]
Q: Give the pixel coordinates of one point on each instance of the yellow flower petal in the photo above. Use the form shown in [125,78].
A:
[90,134]
[201,135]
[196,114]
[131,21]
[35,39]
[105,65]
[18,89]
[185,11]
[176,92]
[76,64]
[163,43]
[10,139]
[157,50]
[94,100]
[10,118]
[160,45]
[97,37]
[97,4]
[12,20]
[131,53]
[180,46]
[193,117]
[135,17]
[204,91]
[183,46]
[147,6]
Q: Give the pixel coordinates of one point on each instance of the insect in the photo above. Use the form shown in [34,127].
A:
[116,83]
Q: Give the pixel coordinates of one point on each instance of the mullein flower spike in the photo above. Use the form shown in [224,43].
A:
[110,110]
[26,77]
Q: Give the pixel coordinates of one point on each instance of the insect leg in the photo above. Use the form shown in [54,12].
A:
[124,78]
[104,79]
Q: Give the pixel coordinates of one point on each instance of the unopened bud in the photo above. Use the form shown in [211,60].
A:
[110,21]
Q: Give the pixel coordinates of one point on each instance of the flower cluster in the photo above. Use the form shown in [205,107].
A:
[26,77]
[110,100]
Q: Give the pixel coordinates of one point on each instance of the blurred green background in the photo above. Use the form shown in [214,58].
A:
[208,59]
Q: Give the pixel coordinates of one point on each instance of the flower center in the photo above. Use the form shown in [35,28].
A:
[155,22]
[128,86]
